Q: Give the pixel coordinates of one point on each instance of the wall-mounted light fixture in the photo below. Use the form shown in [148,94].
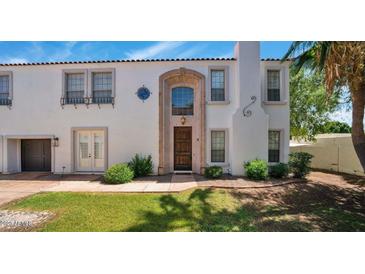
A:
[55,141]
[183,120]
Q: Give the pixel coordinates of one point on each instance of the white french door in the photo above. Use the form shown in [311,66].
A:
[90,150]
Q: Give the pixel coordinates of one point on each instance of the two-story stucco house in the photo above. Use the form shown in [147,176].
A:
[187,113]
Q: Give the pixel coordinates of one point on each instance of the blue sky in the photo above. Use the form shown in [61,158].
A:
[14,52]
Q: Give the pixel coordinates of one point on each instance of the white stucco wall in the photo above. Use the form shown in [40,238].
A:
[133,124]
[333,152]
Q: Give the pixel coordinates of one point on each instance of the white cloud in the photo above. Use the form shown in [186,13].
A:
[191,52]
[226,55]
[14,60]
[154,50]
[63,53]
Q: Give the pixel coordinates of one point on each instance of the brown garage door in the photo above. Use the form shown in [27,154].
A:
[36,155]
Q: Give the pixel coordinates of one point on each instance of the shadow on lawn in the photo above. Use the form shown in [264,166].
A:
[302,207]
[197,213]
[308,207]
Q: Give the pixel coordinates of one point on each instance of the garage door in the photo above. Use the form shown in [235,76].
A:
[36,155]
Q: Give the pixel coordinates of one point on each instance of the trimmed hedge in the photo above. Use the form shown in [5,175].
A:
[118,174]
[279,170]
[256,169]
[213,172]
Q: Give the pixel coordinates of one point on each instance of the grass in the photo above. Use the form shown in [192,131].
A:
[301,207]
[195,210]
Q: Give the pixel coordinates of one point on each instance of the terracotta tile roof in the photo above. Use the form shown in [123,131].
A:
[119,61]
[275,59]
[128,61]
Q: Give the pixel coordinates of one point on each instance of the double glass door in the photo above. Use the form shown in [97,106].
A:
[90,150]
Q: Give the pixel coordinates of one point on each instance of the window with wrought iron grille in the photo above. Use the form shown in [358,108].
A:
[217,85]
[4,89]
[102,85]
[273,85]
[75,88]
[274,146]
[182,101]
[218,144]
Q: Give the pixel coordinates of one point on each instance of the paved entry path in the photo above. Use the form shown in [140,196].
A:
[168,183]
[17,186]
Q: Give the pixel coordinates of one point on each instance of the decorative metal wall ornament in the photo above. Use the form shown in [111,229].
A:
[247,112]
[143,93]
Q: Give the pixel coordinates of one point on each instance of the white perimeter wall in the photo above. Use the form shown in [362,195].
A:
[332,152]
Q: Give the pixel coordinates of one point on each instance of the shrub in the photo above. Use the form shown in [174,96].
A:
[213,172]
[118,174]
[299,163]
[256,169]
[141,165]
[280,170]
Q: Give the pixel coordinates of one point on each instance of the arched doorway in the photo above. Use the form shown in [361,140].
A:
[182,121]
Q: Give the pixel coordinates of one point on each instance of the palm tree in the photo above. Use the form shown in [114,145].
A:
[343,65]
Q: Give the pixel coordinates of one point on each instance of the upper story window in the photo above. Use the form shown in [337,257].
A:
[102,87]
[217,85]
[5,88]
[274,146]
[182,101]
[273,85]
[218,146]
[75,88]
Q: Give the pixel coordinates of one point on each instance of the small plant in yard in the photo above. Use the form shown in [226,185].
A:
[141,165]
[256,169]
[118,174]
[299,163]
[279,170]
[213,172]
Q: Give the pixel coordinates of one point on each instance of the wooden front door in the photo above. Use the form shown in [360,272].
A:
[182,148]
[36,155]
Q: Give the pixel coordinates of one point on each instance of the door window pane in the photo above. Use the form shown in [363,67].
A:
[218,146]
[84,146]
[182,101]
[98,147]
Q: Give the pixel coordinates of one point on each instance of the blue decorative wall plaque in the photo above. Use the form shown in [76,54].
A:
[143,93]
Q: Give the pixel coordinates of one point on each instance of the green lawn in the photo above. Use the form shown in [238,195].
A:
[195,210]
[302,207]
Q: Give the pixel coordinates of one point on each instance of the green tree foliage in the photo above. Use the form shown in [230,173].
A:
[336,127]
[310,105]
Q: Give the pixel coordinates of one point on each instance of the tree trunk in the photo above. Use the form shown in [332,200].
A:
[358,135]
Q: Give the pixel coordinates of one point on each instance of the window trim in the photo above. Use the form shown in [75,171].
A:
[71,71]
[283,98]
[226,147]
[90,92]
[281,145]
[226,85]
[10,75]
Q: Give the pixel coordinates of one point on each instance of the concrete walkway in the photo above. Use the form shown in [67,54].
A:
[17,186]
[176,183]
